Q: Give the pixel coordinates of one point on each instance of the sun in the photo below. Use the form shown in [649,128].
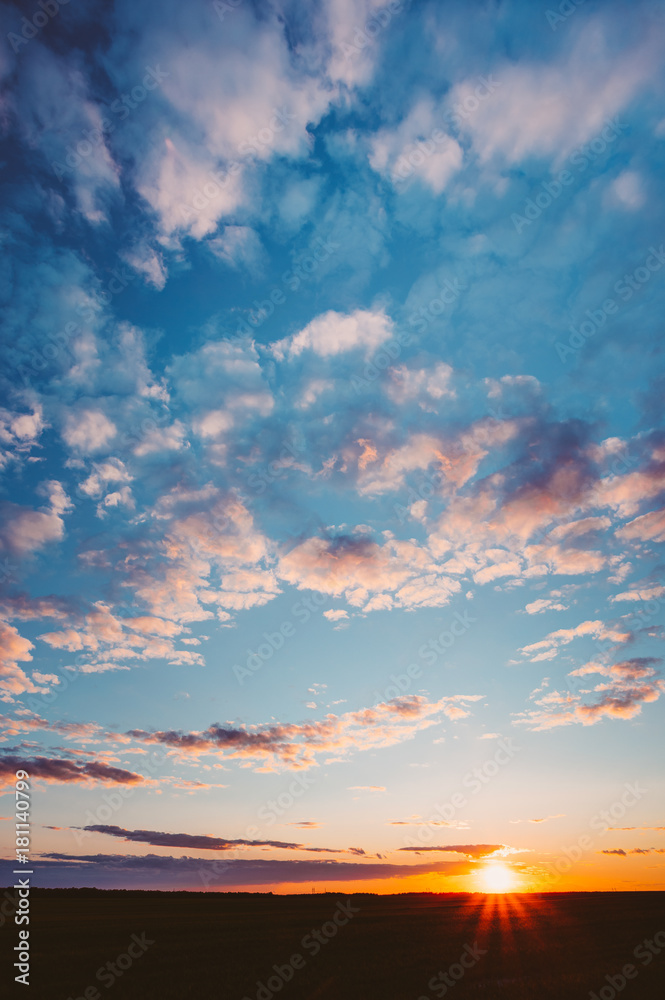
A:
[497,878]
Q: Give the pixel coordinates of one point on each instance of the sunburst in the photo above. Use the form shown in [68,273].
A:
[497,877]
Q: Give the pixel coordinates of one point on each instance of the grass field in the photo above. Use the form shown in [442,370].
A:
[217,946]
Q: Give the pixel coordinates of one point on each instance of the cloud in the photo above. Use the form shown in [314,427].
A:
[24,530]
[87,430]
[456,459]
[298,745]
[423,384]
[359,568]
[55,770]
[642,829]
[647,528]
[416,821]
[31,722]
[627,190]
[196,842]
[14,649]
[631,684]
[149,262]
[109,640]
[159,871]
[544,604]
[648,593]
[239,247]
[548,647]
[345,24]
[336,333]
[54,107]
[635,850]
[222,386]
[548,109]
[197,165]
[202,551]
[22,606]
[417,147]
[336,615]
[470,850]
[19,433]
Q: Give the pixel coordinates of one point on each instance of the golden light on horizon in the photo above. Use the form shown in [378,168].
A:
[497,877]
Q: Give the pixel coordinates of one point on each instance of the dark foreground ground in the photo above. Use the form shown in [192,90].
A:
[224,946]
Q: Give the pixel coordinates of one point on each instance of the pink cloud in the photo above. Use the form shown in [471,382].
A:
[297,745]
[14,649]
[360,568]
[647,528]
[24,530]
[547,647]
[632,683]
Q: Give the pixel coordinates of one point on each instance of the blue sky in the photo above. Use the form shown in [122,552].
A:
[331,441]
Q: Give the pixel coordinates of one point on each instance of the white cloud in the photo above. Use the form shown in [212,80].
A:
[627,190]
[548,110]
[335,333]
[147,261]
[88,430]
[417,146]
[239,246]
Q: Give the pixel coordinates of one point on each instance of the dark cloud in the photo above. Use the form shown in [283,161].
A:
[199,842]
[56,869]
[56,771]
[635,850]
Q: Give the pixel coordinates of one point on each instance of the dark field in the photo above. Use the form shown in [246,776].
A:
[224,945]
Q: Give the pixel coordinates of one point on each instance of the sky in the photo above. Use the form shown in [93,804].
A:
[331,447]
